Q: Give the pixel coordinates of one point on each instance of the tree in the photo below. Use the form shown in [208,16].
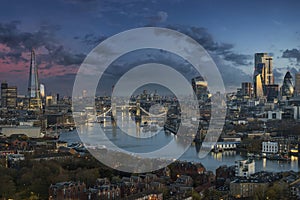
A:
[277,191]
[196,196]
[210,194]
[259,193]
[33,196]
[7,186]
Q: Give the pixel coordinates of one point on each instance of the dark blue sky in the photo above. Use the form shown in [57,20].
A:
[64,31]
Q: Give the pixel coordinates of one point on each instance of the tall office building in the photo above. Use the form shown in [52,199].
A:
[8,96]
[263,73]
[271,92]
[297,84]
[258,86]
[246,89]
[287,88]
[200,88]
[42,91]
[35,102]
[4,86]
[52,100]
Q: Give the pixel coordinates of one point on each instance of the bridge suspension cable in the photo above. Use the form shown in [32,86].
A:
[103,114]
[152,115]
[142,109]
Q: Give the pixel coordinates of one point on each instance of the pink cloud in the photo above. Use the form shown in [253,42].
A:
[21,68]
[17,72]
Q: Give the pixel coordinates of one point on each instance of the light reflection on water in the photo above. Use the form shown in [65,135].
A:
[211,162]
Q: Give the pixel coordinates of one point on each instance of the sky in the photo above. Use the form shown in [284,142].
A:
[63,32]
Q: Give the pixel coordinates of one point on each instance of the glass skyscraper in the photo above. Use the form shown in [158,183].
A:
[263,74]
[34,95]
[287,88]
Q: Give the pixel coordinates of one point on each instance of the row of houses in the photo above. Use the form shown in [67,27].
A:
[148,186]
[237,186]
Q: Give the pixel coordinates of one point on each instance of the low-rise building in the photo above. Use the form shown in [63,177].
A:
[14,159]
[223,175]
[244,168]
[275,115]
[269,147]
[295,189]
[246,188]
[222,146]
[29,131]
[68,190]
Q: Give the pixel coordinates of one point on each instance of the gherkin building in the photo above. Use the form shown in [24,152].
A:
[287,88]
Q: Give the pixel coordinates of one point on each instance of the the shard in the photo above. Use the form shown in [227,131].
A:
[34,96]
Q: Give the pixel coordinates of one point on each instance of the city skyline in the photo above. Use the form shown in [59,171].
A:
[149,99]
[231,32]
[261,73]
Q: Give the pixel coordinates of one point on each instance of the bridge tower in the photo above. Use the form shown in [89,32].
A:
[138,111]
[113,112]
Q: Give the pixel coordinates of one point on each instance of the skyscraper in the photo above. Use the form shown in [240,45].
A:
[42,90]
[297,84]
[263,73]
[272,92]
[287,88]
[258,86]
[8,96]
[34,95]
[247,89]
[200,88]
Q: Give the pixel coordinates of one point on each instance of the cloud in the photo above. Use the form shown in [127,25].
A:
[65,58]
[293,70]
[79,1]
[293,53]
[61,84]
[278,75]
[224,50]
[59,55]
[160,17]
[16,70]
[91,39]
[238,59]
[53,58]
[232,76]
[14,38]
[44,38]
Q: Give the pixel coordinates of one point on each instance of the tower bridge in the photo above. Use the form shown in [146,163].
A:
[140,112]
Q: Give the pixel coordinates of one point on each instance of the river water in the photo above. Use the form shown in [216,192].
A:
[211,162]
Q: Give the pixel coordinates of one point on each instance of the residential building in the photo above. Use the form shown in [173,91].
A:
[295,189]
[67,190]
[246,188]
[244,168]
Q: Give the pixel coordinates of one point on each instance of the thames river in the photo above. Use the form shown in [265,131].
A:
[211,162]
